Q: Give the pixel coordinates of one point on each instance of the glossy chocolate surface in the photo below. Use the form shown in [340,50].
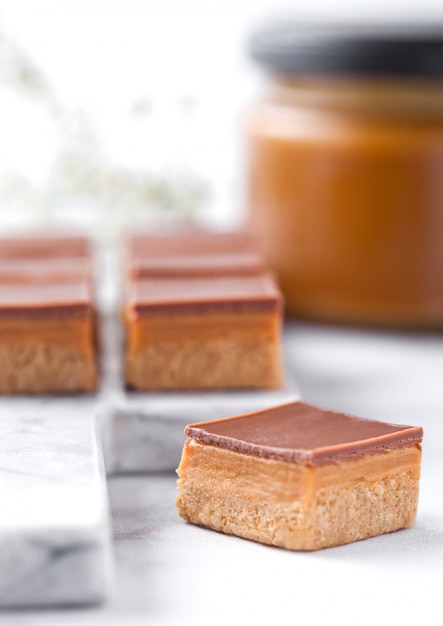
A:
[198,265]
[49,299]
[47,276]
[195,253]
[301,433]
[231,293]
[193,242]
[44,270]
[44,247]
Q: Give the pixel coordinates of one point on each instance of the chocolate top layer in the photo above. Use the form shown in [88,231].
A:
[301,433]
[198,294]
[195,253]
[44,247]
[44,300]
[197,265]
[188,242]
[44,270]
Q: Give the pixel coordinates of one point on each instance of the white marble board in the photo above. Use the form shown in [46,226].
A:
[144,431]
[54,525]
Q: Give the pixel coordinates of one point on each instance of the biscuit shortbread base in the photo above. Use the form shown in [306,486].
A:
[296,506]
[47,355]
[204,351]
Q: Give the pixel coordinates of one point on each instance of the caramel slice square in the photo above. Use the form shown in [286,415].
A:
[47,337]
[203,333]
[300,477]
[47,318]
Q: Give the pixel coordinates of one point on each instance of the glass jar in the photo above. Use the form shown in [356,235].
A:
[345,171]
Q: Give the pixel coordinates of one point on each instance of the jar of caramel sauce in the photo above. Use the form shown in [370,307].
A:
[345,171]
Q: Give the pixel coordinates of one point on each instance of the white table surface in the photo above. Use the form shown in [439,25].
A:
[170,572]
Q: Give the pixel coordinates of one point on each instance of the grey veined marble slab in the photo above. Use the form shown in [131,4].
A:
[144,431]
[54,527]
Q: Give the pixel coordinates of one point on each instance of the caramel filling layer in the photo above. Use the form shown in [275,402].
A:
[221,472]
[76,332]
[183,329]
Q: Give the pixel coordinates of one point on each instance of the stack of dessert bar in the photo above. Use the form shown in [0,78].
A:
[54,534]
[201,312]
[47,321]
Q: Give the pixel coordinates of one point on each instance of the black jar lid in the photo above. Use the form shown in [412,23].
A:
[312,48]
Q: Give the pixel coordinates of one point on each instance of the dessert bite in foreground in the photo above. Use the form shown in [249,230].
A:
[300,477]
[47,319]
[201,312]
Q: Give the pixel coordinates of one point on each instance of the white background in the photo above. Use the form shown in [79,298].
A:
[97,96]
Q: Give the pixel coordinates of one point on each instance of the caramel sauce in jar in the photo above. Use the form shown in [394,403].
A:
[345,186]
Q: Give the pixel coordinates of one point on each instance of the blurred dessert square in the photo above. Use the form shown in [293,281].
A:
[201,312]
[47,316]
